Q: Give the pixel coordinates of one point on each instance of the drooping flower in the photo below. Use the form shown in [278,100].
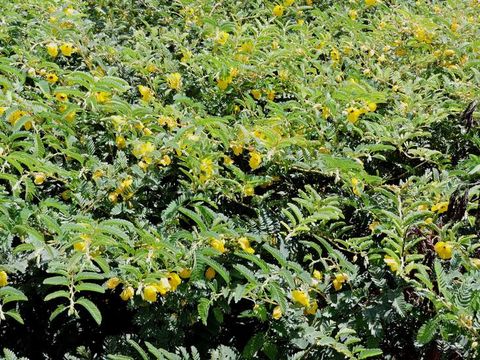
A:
[339,280]
[444,250]
[102,97]
[391,262]
[277,312]
[150,293]
[257,94]
[112,283]
[245,245]
[255,160]
[301,297]
[143,149]
[174,81]
[127,293]
[312,309]
[353,114]
[67,49]
[39,178]
[218,245]
[163,286]
[174,280]
[3,278]
[222,37]
[185,273]
[52,49]
[210,273]
[146,92]
[440,207]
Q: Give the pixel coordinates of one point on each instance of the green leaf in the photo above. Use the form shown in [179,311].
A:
[15,315]
[139,349]
[91,308]
[57,294]
[366,353]
[89,287]
[427,331]
[203,308]
[56,280]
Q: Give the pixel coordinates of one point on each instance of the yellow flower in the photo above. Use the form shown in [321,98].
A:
[80,246]
[227,160]
[237,148]
[186,55]
[476,263]
[174,280]
[163,286]
[166,160]
[335,55]
[125,184]
[150,293]
[70,116]
[223,83]
[278,10]
[288,2]
[146,92]
[255,160]
[97,174]
[301,297]
[218,245]
[257,94]
[371,106]
[245,245]
[353,14]
[277,312]
[185,273]
[174,81]
[317,274]
[102,96]
[120,141]
[67,49]
[127,293]
[61,97]
[222,38]
[39,178]
[339,280]
[422,207]
[3,278]
[371,2]
[210,273]
[422,35]
[51,78]
[52,49]
[112,283]
[428,220]
[440,207]
[454,27]
[373,225]
[143,149]
[444,250]
[312,309]
[271,95]
[449,52]
[353,114]
[113,197]
[391,262]
[249,190]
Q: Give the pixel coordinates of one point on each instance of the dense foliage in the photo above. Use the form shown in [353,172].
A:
[251,179]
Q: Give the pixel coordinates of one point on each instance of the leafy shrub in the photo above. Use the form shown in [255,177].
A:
[192,179]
